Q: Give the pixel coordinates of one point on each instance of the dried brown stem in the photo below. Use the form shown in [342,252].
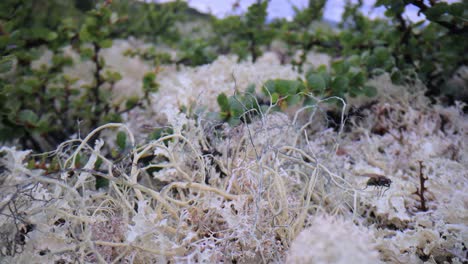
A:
[420,191]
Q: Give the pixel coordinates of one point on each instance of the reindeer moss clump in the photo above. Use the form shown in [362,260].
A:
[257,191]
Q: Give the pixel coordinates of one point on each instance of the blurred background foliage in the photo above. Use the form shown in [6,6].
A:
[41,107]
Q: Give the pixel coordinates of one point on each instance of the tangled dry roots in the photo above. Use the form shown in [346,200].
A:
[236,194]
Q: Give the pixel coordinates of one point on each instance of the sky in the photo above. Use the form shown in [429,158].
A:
[276,8]
[282,8]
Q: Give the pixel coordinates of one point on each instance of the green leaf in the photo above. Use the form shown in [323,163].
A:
[161,132]
[75,91]
[90,21]
[121,140]
[287,87]
[322,69]
[148,78]
[269,87]
[106,43]
[309,101]
[236,108]
[52,36]
[149,82]
[28,117]
[43,125]
[445,18]
[86,53]
[84,34]
[98,163]
[224,115]
[293,99]
[382,54]
[457,9]
[358,79]
[112,76]
[250,89]
[101,182]
[396,77]
[353,60]
[274,98]
[131,102]
[25,88]
[316,82]
[234,121]
[340,84]
[223,102]
[78,161]
[60,60]
[6,64]
[436,11]
[370,91]
[340,67]
[112,117]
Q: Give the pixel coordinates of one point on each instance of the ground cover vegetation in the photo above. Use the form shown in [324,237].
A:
[251,176]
